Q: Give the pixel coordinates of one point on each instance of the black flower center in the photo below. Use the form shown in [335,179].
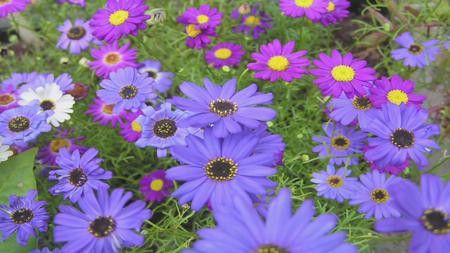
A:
[340,142]
[22,216]
[436,221]
[402,138]
[221,169]
[102,226]
[415,49]
[128,92]
[77,177]
[151,73]
[379,196]
[362,103]
[271,249]
[19,124]
[223,107]
[47,105]
[76,33]
[165,128]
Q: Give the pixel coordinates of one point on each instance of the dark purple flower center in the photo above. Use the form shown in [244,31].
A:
[271,249]
[128,92]
[76,33]
[22,216]
[102,226]
[77,177]
[221,169]
[19,124]
[340,142]
[436,221]
[165,128]
[362,103]
[47,105]
[402,138]
[151,73]
[415,49]
[223,107]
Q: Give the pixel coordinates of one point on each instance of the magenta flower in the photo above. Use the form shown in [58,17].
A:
[225,54]
[131,130]
[11,6]
[337,10]
[253,20]
[204,18]
[279,62]
[110,58]
[8,98]
[312,9]
[61,140]
[199,38]
[103,113]
[155,186]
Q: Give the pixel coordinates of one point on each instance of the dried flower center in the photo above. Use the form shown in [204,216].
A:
[58,144]
[76,33]
[77,177]
[21,216]
[335,181]
[157,185]
[331,6]
[362,103]
[397,97]
[436,221]
[135,126]
[415,49]
[6,99]
[304,3]
[223,107]
[402,138]
[112,58]
[165,128]
[118,17]
[244,9]
[19,124]
[252,21]
[380,196]
[271,249]
[201,19]
[223,53]
[79,91]
[128,92]
[340,142]
[278,63]
[107,109]
[192,31]
[343,73]
[102,226]
[47,105]
[221,169]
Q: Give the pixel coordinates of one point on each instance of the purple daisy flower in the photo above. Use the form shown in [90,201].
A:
[11,6]
[227,110]
[47,155]
[339,144]
[199,38]
[78,175]
[64,81]
[337,10]
[394,170]
[110,58]
[225,54]
[46,250]
[154,186]
[217,170]
[374,197]
[342,74]
[81,3]
[8,98]
[395,91]
[277,61]
[425,213]
[24,215]
[312,9]
[269,143]
[415,54]
[131,130]
[118,19]
[104,224]
[399,134]
[253,20]
[75,37]
[103,113]
[163,80]
[346,111]
[23,124]
[241,229]
[337,185]
[20,79]
[203,18]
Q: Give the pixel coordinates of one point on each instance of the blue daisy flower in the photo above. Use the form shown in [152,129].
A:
[163,80]
[415,54]
[347,111]
[64,81]
[337,185]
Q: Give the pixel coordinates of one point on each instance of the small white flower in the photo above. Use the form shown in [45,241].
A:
[5,152]
[50,98]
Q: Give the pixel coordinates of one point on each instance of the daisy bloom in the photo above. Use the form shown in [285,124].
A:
[342,74]
[5,151]
[64,81]
[131,130]
[253,20]
[335,184]
[47,154]
[127,89]
[154,186]
[347,111]
[199,38]
[225,54]
[415,54]
[19,79]
[25,216]
[337,10]
[312,9]
[75,37]
[152,68]
[110,58]
[203,18]
[12,6]
[118,19]
[103,113]
[8,98]
[105,223]
[277,61]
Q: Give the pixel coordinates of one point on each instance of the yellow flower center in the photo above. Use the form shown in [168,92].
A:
[343,73]
[6,99]
[278,63]
[379,196]
[118,17]
[58,144]
[331,7]
[397,97]
[201,19]
[112,58]
[340,142]
[136,126]
[223,53]
[335,181]
[157,185]
[252,21]
[4,2]
[192,31]
[304,3]
[107,109]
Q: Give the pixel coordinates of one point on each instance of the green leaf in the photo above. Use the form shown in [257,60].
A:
[17,178]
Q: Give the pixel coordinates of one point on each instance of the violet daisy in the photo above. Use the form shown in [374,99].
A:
[8,98]
[425,213]
[118,19]
[335,184]
[203,18]
[396,91]
[337,10]
[24,215]
[12,6]
[227,110]
[242,229]
[217,170]
[155,186]
[163,80]
[269,143]
[47,155]
[105,223]
[64,81]
[103,113]
[339,144]
[225,54]
[400,133]
[312,9]
[277,61]
[413,53]
[19,79]
[131,130]
[110,58]
[79,174]
[346,111]
[46,250]
[373,195]
[75,37]
[253,20]
[199,38]
[342,74]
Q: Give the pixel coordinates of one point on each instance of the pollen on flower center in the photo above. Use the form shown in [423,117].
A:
[402,138]
[415,49]
[252,21]
[397,97]
[223,53]
[335,181]
[102,226]
[223,107]
[192,31]
[201,19]
[379,196]
[304,3]
[362,103]
[165,128]
[77,177]
[135,126]
[128,92]
[19,124]
[436,221]
[58,144]
[278,63]
[76,33]
[340,142]
[21,216]
[6,99]
[271,249]
[119,17]
[331,6]
[221,169]
[107,109]
[112,58]
[343,73]
[156,185]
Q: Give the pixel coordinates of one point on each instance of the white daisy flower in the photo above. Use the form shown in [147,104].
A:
[5,152]
[50,98]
